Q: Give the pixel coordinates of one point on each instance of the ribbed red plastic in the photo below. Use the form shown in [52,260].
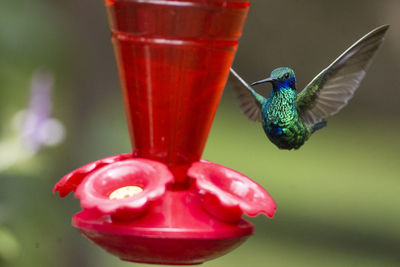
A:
[173,58]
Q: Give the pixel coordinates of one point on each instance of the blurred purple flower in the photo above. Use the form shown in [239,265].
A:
[38,113]
[34,126]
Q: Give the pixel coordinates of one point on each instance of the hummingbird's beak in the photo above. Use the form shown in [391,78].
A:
[268,80]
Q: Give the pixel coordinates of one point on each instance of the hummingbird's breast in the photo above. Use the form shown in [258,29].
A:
[280,108]
[281,120]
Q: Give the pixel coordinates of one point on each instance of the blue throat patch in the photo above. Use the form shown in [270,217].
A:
[285,84]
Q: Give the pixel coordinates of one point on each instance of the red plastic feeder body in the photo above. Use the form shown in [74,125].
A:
[162,204]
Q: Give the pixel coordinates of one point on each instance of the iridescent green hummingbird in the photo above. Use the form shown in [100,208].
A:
[288,118]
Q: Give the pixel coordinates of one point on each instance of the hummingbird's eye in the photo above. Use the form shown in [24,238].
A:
[287,75]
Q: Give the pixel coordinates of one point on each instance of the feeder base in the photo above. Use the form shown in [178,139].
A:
[163,250]
[176,231]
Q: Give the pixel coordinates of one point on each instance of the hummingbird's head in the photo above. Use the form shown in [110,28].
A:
[281,78]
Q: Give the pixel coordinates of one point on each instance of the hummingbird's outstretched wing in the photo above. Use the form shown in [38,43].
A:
[249,100]
[331,89]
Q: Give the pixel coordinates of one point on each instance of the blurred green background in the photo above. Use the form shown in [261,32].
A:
[338,196]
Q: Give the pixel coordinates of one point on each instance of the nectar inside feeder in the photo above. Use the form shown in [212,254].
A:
[162,203]
[125,192]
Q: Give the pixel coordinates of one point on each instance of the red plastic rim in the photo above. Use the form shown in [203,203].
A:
[70,182]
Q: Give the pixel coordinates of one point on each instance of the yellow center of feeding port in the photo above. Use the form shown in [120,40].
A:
[125,192]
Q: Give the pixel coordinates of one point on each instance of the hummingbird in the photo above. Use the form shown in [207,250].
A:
[290,118]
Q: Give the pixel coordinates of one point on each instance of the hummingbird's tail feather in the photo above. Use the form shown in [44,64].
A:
[318,126]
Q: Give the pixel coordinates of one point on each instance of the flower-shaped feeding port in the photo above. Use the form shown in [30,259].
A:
[227,194]
[124,189]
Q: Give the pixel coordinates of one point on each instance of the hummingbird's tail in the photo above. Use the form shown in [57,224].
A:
[318,126]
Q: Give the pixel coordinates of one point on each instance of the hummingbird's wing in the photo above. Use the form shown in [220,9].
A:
[249,100]
[331,89]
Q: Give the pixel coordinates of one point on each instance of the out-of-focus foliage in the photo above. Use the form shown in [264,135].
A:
[337,197]
[9,247]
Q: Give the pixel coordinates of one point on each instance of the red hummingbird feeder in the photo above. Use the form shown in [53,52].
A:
[163,204]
